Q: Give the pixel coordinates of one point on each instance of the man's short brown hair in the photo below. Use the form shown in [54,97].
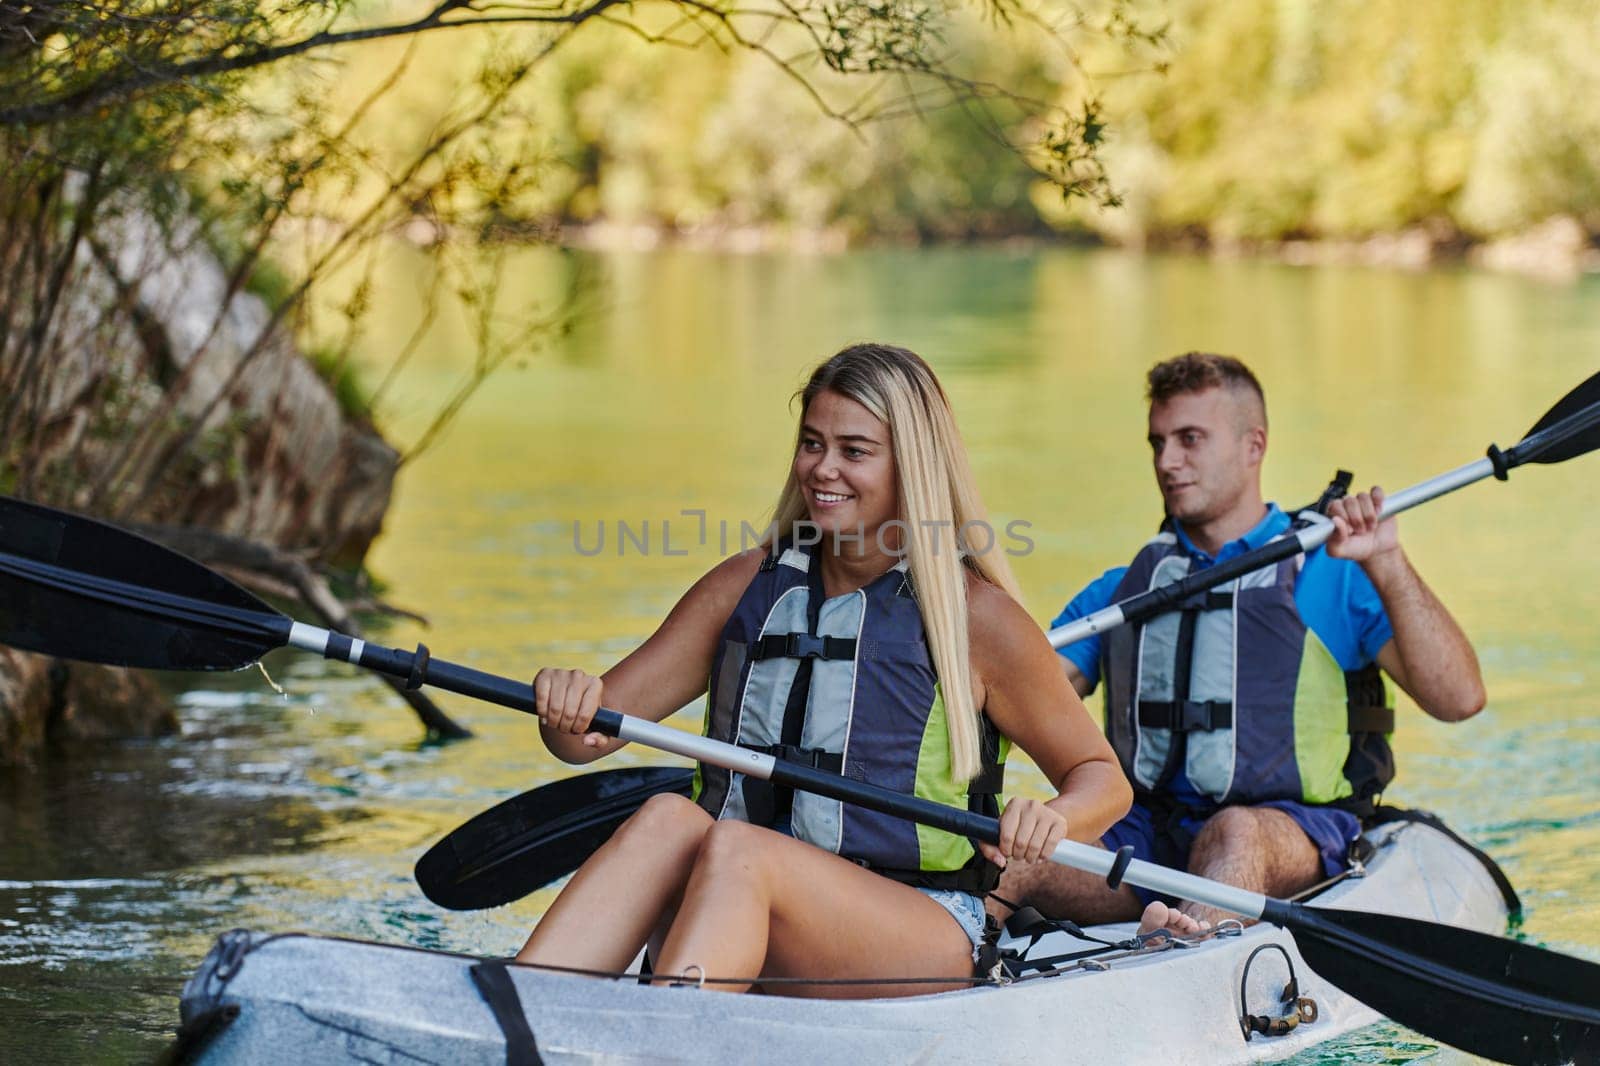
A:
[1198,371]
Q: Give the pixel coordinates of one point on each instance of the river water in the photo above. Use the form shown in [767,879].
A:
[669,401]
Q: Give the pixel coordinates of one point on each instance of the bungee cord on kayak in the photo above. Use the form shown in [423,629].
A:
[1013,965]
[1294,1008]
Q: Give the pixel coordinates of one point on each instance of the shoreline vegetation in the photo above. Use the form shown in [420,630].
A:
[1401,137]
[1560,249]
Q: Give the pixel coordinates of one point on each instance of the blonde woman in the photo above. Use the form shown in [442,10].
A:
[860,640]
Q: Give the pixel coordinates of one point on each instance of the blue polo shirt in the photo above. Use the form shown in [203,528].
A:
[1335,599]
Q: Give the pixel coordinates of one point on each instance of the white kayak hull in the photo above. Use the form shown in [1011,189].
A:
[307,1000]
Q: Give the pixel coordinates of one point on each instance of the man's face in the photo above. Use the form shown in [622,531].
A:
[1206,452]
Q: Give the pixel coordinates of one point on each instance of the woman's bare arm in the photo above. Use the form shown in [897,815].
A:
[660,676]
[1027,696]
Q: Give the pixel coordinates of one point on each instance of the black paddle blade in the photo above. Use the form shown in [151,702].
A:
[1549,441]
[1483,994]
[76,588]
[523,844]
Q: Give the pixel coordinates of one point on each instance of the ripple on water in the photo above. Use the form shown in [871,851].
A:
[1384,1044]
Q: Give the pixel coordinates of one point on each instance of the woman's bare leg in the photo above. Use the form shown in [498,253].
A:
[617,899]
[760,903]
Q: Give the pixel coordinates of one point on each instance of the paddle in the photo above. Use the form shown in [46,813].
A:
[523,844]
[1569,429]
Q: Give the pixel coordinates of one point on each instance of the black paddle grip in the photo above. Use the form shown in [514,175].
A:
[607,722]
[419,668]
[1119,867]
[1166,598]
[518,695]
[1501,463]
[1280,912]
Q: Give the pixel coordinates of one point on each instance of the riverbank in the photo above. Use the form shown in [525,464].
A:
[159,394]
[1560,249]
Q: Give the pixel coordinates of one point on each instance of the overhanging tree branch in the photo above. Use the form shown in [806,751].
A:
[137,77]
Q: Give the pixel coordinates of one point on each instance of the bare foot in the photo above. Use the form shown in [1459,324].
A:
[1160,916]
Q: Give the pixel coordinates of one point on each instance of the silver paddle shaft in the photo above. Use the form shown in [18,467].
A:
[1068,853]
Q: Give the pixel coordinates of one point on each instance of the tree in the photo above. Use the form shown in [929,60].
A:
[177,114]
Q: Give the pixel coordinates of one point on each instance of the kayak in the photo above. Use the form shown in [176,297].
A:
[305,999]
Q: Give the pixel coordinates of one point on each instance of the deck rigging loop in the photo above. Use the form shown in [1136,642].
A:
[701,979]
[1293,1008]
[683,980]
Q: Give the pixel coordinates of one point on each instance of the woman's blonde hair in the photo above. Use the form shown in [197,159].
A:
[937,500]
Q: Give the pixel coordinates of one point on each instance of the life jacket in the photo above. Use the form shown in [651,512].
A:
[845,684]
[1233,684]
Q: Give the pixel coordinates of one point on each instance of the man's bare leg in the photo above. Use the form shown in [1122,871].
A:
[1261,849]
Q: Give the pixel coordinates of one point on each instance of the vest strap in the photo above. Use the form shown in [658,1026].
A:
[1186,716]
[802,646]
[1371,719]
[495,986]
[1367,701]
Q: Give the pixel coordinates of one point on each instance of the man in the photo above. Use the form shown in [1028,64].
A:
[1253,722]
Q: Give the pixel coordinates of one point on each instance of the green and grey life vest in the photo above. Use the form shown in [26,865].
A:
[844,684]
[1235,687]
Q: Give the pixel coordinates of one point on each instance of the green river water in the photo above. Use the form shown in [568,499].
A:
[118,866]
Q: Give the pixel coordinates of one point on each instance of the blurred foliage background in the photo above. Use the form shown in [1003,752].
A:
[1283,118]
[1218,120]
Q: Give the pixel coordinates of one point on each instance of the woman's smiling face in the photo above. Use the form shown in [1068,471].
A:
[845,466]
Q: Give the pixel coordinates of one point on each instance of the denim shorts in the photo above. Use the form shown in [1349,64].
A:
[965,908]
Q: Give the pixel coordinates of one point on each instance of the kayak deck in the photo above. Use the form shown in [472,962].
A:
[307,999]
